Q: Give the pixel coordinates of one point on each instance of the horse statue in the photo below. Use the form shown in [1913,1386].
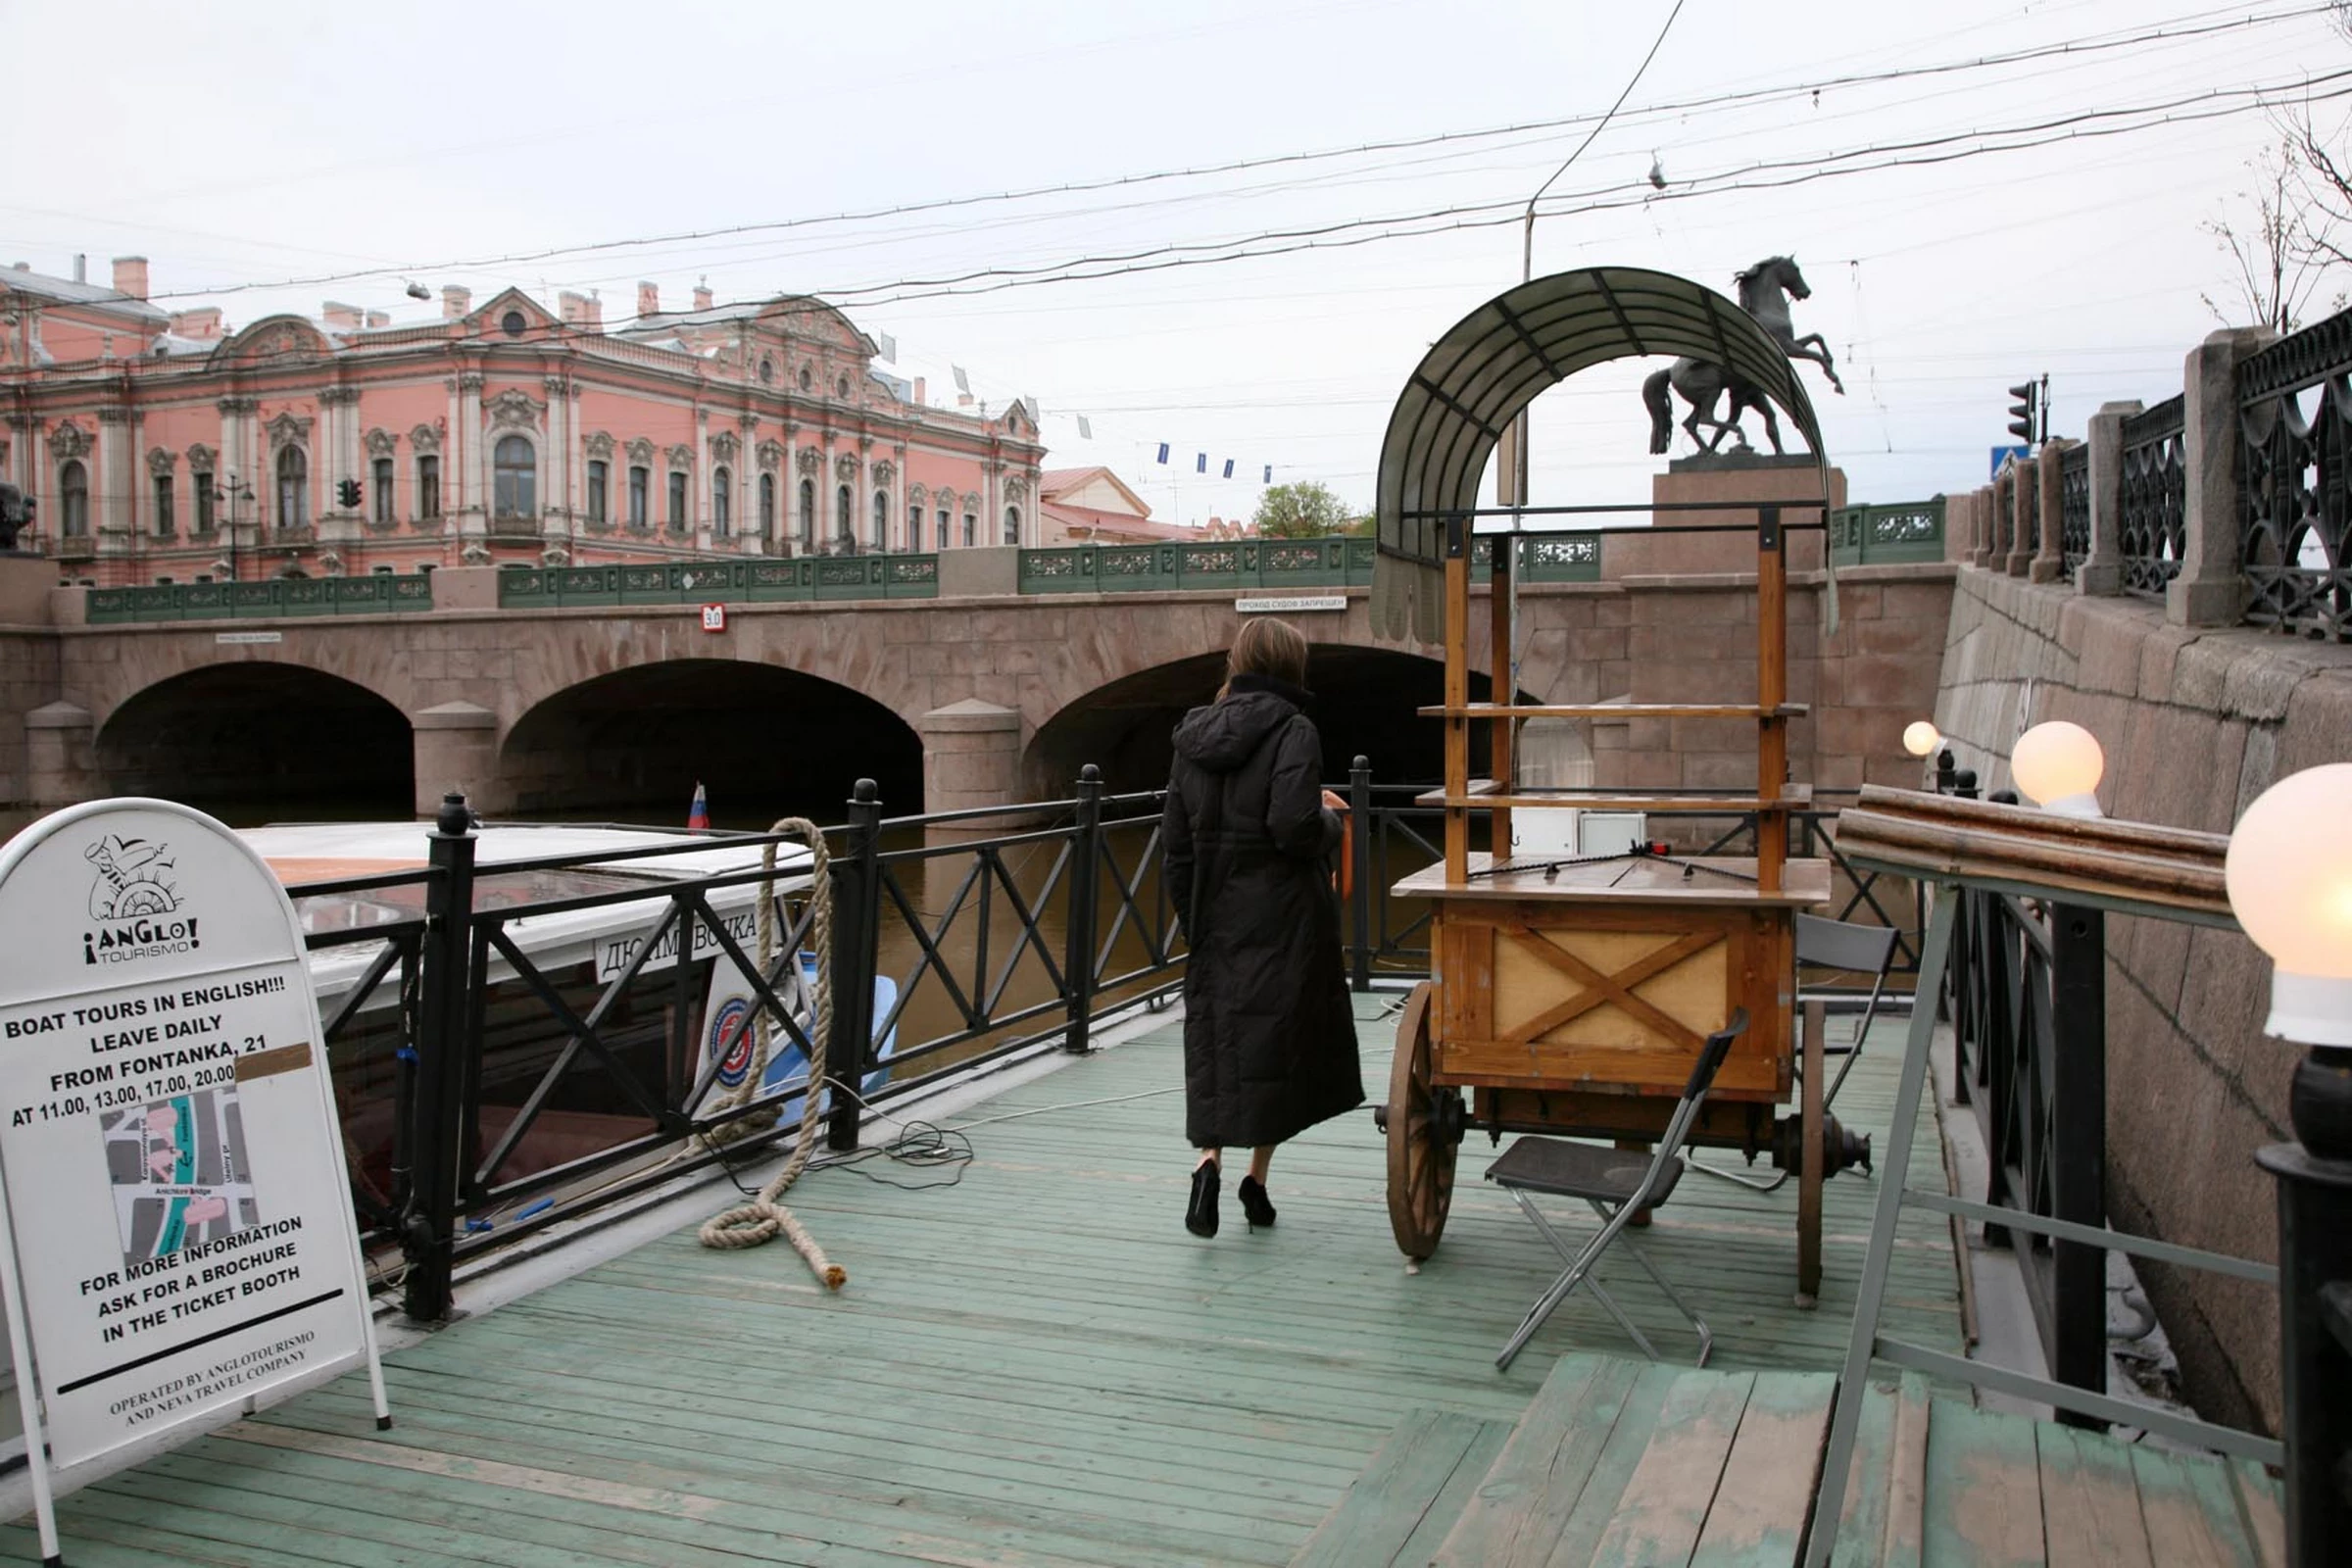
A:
[1765,290]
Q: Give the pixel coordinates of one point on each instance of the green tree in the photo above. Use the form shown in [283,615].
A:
[1306,510]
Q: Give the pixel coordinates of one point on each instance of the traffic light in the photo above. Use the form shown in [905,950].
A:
[2021,420]
[347,494]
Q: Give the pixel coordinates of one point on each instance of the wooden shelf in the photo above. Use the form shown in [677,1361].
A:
[1617,711]
[1719,880]
[1484,795]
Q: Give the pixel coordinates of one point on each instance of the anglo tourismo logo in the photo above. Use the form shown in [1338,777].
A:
[731,1040]
[135,902]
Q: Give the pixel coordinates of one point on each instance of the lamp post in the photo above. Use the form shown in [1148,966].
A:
[2290,886]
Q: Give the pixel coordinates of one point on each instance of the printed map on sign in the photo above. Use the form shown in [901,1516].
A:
[179,1173]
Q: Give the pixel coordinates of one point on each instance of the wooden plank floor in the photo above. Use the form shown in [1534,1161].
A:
[1624,1464]
[1037,1366]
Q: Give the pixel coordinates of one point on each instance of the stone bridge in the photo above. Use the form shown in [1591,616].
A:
[969,698]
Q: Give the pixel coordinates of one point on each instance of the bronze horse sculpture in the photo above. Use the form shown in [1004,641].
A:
[1765,290]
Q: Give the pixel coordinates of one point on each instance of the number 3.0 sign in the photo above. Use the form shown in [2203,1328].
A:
[175,1224]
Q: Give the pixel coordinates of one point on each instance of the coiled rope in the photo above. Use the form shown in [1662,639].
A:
[764,1217]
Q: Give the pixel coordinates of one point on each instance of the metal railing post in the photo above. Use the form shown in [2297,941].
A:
[427,1230]
[857,888]
[2315,1346]
[1078,951]
[2079,1160]
[1359,894]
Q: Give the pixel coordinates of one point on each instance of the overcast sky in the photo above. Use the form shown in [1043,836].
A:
[247,143]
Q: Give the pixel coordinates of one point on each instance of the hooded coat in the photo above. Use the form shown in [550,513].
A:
[1269,1034]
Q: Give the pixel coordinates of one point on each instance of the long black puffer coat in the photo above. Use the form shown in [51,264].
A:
[1269,1038]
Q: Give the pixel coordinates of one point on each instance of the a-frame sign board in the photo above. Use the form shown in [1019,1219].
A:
[176,1237]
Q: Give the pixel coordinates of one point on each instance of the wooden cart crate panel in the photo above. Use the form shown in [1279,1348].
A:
[1590,1064]
[1621,1000]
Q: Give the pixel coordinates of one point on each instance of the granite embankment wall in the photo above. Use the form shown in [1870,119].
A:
[2195,724]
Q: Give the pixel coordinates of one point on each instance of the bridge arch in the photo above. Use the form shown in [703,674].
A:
[257,740]
[766,740]
[1365,706]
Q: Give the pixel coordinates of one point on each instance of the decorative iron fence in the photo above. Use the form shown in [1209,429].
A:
[1868,536]
[2074,510]
[759,580]
[277,595]
[2152,522]
[2296,499]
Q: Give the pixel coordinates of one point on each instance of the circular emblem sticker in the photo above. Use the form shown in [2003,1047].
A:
[731,1040]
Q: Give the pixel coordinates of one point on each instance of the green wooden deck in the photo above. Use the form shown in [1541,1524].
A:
[1038,1366]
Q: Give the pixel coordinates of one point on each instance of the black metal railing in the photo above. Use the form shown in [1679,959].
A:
[2295,516]
[524,1041]
[2029,1021]
[2074,510]
[2152,518]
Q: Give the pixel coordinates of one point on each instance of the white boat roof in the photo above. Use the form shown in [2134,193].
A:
[600,936]
[319,852]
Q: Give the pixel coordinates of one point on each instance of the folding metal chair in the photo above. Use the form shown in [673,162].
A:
[1618,1184]
[1859,950]
[1830,945]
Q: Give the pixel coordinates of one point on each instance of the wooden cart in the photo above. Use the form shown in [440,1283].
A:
[1573,996]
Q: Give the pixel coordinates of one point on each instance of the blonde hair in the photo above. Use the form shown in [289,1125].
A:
[1266,647]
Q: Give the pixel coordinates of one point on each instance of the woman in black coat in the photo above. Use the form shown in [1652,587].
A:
[1269,1037]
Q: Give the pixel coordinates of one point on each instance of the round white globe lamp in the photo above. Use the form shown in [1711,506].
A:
[1920,738]
[2289,876]
[2057,766]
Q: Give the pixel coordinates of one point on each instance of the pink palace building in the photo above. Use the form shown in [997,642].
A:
[164,447]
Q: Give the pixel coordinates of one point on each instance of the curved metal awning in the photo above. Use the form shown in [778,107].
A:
[1478,377]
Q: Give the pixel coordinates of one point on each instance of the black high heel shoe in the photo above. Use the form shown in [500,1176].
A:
[1255,1208]
[1200,1214]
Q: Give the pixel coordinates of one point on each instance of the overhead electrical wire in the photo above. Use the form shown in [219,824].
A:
[2191,26]
[2080,126]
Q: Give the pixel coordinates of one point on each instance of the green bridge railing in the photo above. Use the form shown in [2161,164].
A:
[749,582]
[1858,536]
[1344,563]
[1885,536]
[277,596]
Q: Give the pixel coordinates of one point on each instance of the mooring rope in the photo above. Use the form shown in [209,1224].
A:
[756,1222]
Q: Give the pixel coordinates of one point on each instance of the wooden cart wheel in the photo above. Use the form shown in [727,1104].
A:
[1422,1134]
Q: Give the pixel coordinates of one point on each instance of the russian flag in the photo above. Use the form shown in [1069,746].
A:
[698,815]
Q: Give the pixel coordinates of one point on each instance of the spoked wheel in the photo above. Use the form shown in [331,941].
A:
[1425,1125]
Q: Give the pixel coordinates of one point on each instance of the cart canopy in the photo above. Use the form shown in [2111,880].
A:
[1494,362]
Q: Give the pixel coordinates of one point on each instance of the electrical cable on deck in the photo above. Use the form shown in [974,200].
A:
[756,1222]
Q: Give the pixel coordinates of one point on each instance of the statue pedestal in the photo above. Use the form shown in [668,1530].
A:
[24,584]
[1730,487]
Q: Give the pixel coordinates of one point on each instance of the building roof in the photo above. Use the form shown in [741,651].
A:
[1053,483]
[66,291]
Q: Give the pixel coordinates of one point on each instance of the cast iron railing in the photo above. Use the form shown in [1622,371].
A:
[2029,1022]
[2295,508]
[2152,520]
[279,596]
[754,580]
[2074,510]
[1869,536]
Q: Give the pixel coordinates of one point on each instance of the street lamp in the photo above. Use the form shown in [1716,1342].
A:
[2289,881]
[2058,765]
[2290,886]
